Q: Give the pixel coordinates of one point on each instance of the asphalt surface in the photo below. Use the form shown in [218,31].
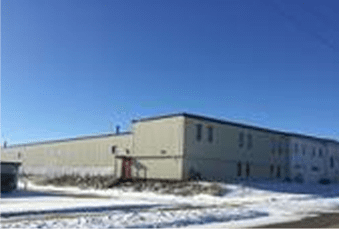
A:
[324,220]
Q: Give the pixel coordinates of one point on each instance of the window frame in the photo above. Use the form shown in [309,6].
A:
[241,139]
[113,149]
[331,162]
[296,149]
[199,132]
[210,133]
[239,169]
[249,141]
[320,152]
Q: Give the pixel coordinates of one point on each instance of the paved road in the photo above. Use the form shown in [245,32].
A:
[328,220]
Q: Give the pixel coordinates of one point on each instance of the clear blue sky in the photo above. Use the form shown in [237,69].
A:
[68,68]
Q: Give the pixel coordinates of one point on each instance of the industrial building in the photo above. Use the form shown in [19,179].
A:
[182,146]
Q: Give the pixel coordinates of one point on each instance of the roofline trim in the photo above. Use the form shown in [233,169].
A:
[67,140]
[204,118]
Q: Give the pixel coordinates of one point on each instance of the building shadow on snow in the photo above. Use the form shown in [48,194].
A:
[321,190]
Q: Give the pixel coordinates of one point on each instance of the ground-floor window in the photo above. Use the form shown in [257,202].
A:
[247,169]
[278,172]
[239,169]
[271,170]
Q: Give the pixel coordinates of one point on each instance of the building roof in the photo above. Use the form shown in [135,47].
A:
[219,121]
[68,139]
[15,163]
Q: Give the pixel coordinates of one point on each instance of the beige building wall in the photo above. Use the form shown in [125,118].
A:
[91,155]
[280,156]
[158,146]
[218,160]
[311,159]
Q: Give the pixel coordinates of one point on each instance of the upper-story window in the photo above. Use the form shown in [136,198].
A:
[331,162]
[280,148]
[114,149]
[286,148]
[296,149]
[320,153]
[304,150]
[313,152]
[272,146]
[210,134]
[199,132]
[249,141]
[241,139]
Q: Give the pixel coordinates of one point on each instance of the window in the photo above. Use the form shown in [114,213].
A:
[239,169]
[296,148]
[163,151]
[249,141]
[210,134]
[313,153]
[280,148]
[247,169]
[241,139]
[287,149]
[304,150]
[278,172]
[199,130]
[315,169]
[127,151]
[114,149]
[320,153]
[272,145]
[271,170]
[19,155]
[332,162]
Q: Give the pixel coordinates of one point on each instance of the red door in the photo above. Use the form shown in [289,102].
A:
[126,172]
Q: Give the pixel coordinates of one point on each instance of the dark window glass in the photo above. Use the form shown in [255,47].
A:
[249,141]
[210,134]
[304,150]
[331,162]
[199,130]
[278,172]
[241,140]
[280,148]
[271,170]
[320,153]
[114,149]
[247,169]
[315,169]
[239,169]
[313,153]
[272,147]
[296,148]
[163,151]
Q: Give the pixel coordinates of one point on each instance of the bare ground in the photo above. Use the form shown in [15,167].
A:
[182,188]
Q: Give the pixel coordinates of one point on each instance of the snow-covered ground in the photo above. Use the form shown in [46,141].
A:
[253,204]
